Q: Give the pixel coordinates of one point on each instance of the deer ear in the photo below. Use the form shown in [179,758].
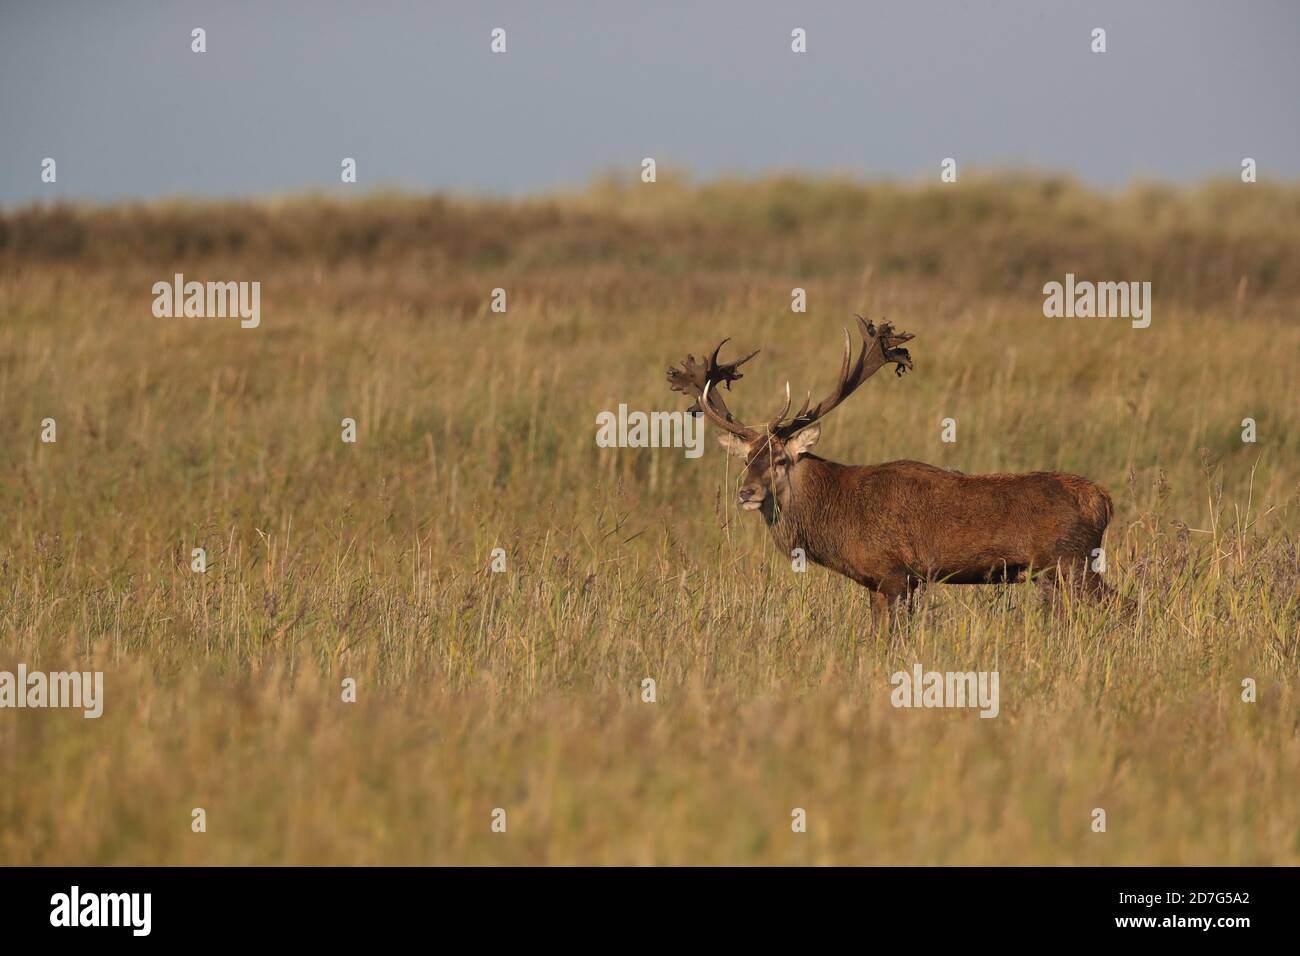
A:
[734,445]
[798,446]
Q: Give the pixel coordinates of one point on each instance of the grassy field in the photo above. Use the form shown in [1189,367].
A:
[476,430]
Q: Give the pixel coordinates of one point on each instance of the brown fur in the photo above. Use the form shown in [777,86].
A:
[895,526]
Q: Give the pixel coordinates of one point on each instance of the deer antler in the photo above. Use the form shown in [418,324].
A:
[700,381]
[879,347]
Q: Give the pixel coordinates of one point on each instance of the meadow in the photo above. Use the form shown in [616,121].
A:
[522,689]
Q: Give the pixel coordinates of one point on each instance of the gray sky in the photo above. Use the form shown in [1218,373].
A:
[889,88]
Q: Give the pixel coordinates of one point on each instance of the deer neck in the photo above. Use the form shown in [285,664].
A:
[794,517]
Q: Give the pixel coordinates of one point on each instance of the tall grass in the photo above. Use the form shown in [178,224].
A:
[521,689]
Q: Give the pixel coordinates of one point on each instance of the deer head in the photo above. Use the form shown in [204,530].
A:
[771,452]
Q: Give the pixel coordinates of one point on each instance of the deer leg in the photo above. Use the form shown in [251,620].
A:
[1103,593]
[892,594]
[1049,589]
[915,590]
[1091,584]
[1077,574]
[1060,584]
[1076,577]
[879,607]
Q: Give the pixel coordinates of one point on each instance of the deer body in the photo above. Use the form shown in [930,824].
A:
[894,526]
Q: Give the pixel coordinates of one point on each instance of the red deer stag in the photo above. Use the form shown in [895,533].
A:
[895,526]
